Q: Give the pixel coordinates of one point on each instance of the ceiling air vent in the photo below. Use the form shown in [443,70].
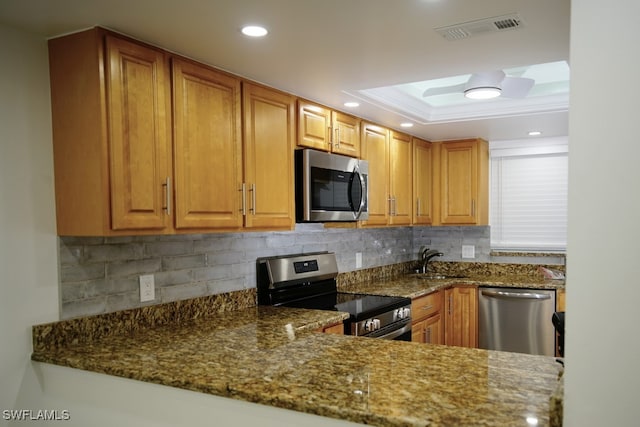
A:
[481,26]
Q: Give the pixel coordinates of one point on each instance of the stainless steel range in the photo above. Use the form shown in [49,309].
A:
[309,281]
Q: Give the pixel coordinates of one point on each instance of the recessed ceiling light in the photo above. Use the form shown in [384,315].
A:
[254,31]
[535,133]
[351,104]
[406,125]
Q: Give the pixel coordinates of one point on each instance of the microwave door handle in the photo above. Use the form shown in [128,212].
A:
[362,192]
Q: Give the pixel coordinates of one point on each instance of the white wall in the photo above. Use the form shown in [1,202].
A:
[28,246]
[603,289]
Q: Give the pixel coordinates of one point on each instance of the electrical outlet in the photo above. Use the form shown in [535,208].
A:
[147,288]
[468,251]
[358,259]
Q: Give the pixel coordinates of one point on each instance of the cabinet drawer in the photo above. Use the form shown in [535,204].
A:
[426,305]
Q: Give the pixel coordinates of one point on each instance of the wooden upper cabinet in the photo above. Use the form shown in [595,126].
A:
[464,182]
[324,129]
[314,126]
[130,161]
[137,82]
[375,149]
[269,135]
[346,134]
[422,182]
[111,135]
[207,144]
[400,178]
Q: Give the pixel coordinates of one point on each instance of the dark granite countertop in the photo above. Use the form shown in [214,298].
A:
[413,286]
[273,356]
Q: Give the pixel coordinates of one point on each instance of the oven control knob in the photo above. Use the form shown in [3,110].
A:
[376,324]
[401,313]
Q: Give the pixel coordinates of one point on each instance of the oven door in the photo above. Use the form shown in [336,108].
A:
[330,187]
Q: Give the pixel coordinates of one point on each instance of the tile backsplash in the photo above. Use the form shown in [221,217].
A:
[100,275]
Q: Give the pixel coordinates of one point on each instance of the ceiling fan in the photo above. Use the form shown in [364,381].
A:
[487,85]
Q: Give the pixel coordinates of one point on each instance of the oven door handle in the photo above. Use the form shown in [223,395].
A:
[396,333]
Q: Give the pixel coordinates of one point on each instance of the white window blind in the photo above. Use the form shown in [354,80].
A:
[528,208]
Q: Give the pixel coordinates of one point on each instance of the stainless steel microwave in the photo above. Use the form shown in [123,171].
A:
[330,187]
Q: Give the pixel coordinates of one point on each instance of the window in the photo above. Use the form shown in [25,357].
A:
[528,207]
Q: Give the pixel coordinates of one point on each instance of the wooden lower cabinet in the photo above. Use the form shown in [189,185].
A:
[427,325]
[337,329]
[429,330]
[560,306]
[461,316]
[560,299]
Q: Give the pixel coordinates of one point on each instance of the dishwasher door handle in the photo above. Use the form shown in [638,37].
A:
[515,295]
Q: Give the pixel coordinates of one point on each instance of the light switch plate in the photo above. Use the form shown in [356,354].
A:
[358,259]
[147,288]
[468,251]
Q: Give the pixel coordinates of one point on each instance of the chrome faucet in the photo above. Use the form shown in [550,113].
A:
[426,254]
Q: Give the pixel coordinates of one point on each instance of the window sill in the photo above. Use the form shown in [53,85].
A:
[505,253]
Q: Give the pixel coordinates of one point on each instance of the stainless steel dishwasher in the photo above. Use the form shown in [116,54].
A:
[517,320]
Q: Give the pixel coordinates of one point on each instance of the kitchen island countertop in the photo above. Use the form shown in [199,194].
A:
[274,356]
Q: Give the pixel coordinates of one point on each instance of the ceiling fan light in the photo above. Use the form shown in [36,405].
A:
[486,92]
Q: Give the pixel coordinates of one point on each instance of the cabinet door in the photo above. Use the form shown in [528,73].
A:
[464,182]
[314,126]
[337,329]
[269,132]
[137,89]
[461,321]
[375,149]
[208,150]
[346,134]
[434,330]
[417,331]
[422,182]
[429,330]
[400,178]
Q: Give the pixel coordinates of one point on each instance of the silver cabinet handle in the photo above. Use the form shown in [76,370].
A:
[473,207]
[243,192]
[253,199]
[337,143]
[392,206]
[427,307]
[167,192]
[450,304]
[515,295]
[418,207]
[331,141]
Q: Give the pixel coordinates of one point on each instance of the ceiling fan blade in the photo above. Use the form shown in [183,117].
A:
[485,79]
[516,87]
[443,90]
